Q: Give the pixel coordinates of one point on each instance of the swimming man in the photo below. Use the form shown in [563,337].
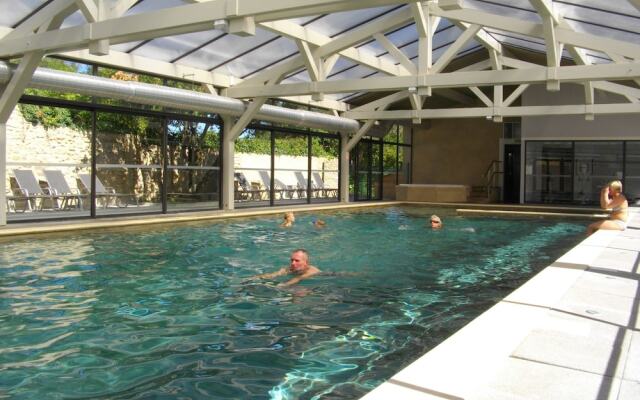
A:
[298,267]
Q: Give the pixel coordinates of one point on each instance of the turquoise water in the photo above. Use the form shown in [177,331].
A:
[163,314]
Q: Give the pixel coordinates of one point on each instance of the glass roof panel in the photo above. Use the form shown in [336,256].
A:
[520,9]
[248,64]
[602,23]
[171,47]
[14,11]
[153,5]
[227,48]
[336,23]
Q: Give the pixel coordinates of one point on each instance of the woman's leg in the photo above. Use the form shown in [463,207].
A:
[606,224]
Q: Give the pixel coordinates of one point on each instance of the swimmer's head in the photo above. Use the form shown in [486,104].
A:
[435,221]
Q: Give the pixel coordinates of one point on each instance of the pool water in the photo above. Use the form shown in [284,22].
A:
[164,313]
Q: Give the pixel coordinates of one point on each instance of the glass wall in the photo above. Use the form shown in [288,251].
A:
[291,168]
[396,160]
[325,168]
[305,167]
[252,166]
[548,172]
[193,165]
[49,147]
[573,172]
[128,164]
[632,172]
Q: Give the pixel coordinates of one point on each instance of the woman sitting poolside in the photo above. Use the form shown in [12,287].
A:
[611,197]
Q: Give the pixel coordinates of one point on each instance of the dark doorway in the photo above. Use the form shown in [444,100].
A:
[366,170]
[511,184]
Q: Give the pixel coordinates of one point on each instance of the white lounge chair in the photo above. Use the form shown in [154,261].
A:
[71,198]
[33,196]
[246,190]
[320,186]
[105,193]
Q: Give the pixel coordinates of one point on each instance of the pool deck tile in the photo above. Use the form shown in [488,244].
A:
[570,332]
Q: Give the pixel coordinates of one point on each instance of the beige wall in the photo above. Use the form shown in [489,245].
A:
[455,151]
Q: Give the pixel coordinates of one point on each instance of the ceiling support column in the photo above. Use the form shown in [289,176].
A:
[3,173]
[10,95]
[344,169]
[228,171]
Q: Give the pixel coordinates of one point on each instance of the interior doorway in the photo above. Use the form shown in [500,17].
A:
[511,183]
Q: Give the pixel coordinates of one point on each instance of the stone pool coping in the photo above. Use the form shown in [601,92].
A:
[570,332]
[47,227]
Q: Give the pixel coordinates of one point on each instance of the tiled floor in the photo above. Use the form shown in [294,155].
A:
[571,332]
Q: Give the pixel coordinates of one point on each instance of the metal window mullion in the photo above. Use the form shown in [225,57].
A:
[165,161]
[273,169]
[94,139]
[309,155]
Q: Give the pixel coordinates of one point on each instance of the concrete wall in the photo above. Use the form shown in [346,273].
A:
[455,151]
[575,127]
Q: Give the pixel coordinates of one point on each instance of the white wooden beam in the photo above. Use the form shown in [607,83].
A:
[579,73]
[89,9]
[396,53]
[358,135]
[514,95]
[498,90]
[416,105]
[482,37]
[118,8]
[589,101]
[487,101]
[420,19]
[630,93]
[385,101]
[328,46]
[177,20]
[454,48]
[19,81]
[310,60]
[563,35]
[487,112]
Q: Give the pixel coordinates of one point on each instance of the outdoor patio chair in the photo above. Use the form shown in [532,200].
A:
[320,186]
[246,190]
[71,198]
[303,184]
[279,188]
[33,196]
[105,193]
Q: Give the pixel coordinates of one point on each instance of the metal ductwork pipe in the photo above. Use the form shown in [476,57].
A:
[144,93]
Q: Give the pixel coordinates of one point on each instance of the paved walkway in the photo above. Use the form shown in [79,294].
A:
[571,332]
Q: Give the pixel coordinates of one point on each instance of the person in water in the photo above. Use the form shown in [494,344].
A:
[299,268]
[288,220]
[318,223]
[435,221]
[611,197]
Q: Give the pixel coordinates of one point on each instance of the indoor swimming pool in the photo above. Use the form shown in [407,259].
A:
[165,313]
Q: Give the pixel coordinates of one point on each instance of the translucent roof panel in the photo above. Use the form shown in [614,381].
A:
[15,11]
[174,47]
[334,24]
[267,55]
[226,48]
[520,9]
[244,57]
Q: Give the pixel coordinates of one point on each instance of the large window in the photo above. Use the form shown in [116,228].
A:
[574,172]
[193,164]
[128,164]
[285,166]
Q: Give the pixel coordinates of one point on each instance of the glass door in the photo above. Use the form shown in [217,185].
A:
[367,170]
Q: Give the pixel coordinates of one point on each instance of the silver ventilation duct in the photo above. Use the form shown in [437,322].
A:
[144,93]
